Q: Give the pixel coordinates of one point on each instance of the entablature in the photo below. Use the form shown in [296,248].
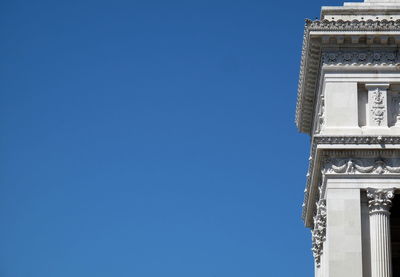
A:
[348,157]
[356,43]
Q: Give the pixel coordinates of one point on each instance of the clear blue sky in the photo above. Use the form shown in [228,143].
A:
[152,139]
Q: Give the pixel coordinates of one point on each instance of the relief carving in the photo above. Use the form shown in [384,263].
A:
[366,166]
[379,200]
[354,25]
[319,231]
[360,58]
[378,107]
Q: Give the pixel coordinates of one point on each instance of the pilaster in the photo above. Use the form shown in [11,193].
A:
[344,233]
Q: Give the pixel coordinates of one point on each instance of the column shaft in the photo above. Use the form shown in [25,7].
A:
[381,256]
[380,245]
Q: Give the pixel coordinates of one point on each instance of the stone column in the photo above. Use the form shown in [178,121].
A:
[379,218]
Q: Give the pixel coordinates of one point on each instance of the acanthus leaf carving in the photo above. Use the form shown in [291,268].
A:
[319,231]
[380,200]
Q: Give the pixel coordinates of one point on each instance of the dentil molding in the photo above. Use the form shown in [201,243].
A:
[353,25]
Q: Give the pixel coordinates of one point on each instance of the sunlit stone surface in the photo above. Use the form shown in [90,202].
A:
[349,103]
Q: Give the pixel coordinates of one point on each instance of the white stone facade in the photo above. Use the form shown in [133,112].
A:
[349,103]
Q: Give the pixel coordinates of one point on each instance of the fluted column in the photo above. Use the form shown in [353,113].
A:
[380,202]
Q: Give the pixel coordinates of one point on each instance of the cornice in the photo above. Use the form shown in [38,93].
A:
[353,25]
[306,85]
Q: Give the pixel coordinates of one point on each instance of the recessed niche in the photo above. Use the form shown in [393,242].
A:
[394,106]
[362,105]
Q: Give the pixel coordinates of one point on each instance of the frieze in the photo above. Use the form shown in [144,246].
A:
[360,58]
[364,166]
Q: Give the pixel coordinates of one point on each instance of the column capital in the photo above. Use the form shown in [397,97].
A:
[380,200]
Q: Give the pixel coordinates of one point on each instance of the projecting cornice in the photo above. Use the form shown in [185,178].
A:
[354,25]
[325,34]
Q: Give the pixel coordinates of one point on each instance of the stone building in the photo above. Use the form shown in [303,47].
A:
[349,104]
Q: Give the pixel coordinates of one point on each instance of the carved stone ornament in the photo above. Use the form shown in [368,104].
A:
[311,57]
[366,166]
[347,166]
[357,140]
[380,200]
[319,231]
[378,108]
[360,58]
[354,25]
